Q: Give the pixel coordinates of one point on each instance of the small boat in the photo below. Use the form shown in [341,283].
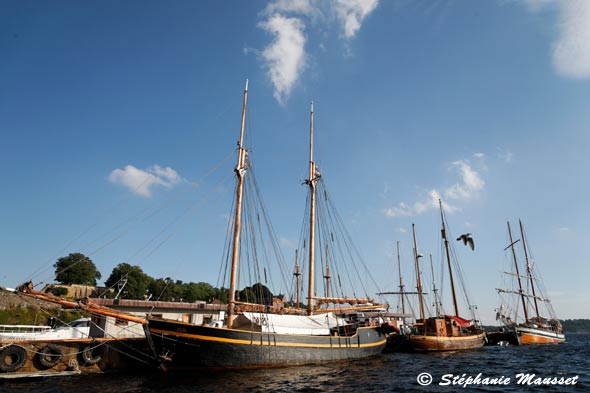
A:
[443,332]
[257,332]
[80,347]
[534,328]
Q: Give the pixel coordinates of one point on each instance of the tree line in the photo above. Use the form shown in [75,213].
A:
[130,282]
[576,325]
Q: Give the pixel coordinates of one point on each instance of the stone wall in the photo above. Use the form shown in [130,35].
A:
[10,300]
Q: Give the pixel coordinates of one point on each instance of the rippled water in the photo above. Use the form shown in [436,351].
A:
[391,372]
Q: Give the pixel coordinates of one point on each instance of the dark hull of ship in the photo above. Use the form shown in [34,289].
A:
[500,338]
[186,346]
[427,343]
[397,342]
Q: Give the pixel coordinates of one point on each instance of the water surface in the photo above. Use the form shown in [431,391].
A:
[390,372]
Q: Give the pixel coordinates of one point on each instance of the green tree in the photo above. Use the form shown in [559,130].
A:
[257,293]
[198,291]
[221,294]
[76,269]
[165,289]
[136,281]
[158,289]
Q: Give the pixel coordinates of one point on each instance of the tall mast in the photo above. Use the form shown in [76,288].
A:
[401,284]
[312,187]
[240,172]
[297,275]
[446,241]
[529,270]
[434,290]
[526,314]
[418,279]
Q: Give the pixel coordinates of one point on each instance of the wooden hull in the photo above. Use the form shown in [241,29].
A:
[529,335]
[186,346]
[426,343]
[32,358]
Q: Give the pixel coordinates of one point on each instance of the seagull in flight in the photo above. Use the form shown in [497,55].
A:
[467,239]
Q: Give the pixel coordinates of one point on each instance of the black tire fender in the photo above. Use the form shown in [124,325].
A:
[88,356]
[49,355]
[12,358]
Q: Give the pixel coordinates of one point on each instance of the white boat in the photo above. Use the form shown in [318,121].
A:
[80,328]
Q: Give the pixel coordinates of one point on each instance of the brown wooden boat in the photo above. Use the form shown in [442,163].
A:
[446,333]
[442,332]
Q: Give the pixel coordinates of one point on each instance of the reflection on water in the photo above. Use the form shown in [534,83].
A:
[386,373]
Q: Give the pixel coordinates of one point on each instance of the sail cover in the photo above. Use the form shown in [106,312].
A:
[316,325]
[460,321]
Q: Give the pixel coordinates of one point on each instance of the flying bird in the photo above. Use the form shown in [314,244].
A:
[467,239]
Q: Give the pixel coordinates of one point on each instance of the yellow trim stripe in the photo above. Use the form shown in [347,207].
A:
[266,343]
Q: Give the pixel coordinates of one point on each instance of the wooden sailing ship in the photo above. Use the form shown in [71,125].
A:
[442,332]
[270,335]
[535,328]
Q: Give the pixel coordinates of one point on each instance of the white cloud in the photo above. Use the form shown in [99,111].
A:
[287,20]
[571,51]
[428,202]
[402,210]
[141,182]
[168,175]
[285,56]
[351,14]
[471,183]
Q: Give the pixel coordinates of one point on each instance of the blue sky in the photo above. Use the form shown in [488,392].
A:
[109,110]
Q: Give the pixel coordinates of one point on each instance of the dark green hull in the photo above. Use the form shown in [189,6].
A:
[187,346]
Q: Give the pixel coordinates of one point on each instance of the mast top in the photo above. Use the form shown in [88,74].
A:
[246,88]
[311,107]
